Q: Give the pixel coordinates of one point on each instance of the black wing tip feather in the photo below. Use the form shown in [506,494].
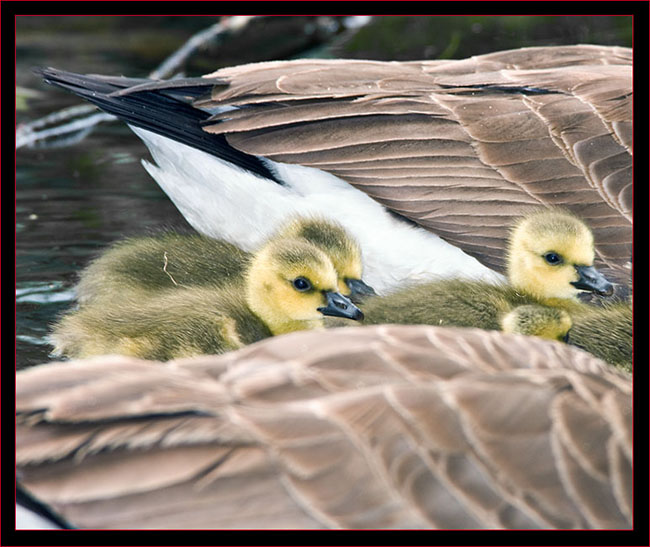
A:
[155,107]
[26,500]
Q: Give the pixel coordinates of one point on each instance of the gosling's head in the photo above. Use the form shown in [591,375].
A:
[551,255]
[543,321]
[291,284]
[344,252]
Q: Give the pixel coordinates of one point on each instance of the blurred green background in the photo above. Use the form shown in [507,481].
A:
[144,41]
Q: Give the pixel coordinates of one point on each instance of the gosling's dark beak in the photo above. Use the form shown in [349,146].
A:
[340,306]
[359,290]
[592,280]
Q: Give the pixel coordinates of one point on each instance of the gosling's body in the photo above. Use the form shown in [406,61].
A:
[455,302]
[172,323]
[607,333]
[160,262]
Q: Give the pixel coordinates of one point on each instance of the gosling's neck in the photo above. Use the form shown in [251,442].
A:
[275,321]
[535,290]
[284,327]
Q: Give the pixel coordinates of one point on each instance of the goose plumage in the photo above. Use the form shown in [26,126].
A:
[388,426]
[288,284]
[426,163]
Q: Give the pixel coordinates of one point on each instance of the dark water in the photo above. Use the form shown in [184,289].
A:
[69,204]
[71,201]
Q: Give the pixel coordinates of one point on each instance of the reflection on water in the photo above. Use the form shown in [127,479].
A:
[43,293]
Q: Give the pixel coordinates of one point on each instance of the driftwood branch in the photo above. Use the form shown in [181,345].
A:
[176,59]
[28,134]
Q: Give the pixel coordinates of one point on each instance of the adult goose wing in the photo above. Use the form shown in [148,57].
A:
[459,147]
[375,427]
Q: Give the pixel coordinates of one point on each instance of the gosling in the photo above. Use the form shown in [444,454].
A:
[606,332]
[543,321]
[289,285]
[171,259]
[549,261]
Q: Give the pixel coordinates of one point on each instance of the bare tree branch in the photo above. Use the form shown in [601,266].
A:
[26,134]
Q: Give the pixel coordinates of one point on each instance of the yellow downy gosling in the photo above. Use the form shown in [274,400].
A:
[550,260]
[289,285]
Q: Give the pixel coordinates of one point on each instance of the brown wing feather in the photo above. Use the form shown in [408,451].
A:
[373,427]
[442,142]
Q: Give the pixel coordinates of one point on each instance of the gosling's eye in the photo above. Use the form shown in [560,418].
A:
[553,258]
[301,284]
